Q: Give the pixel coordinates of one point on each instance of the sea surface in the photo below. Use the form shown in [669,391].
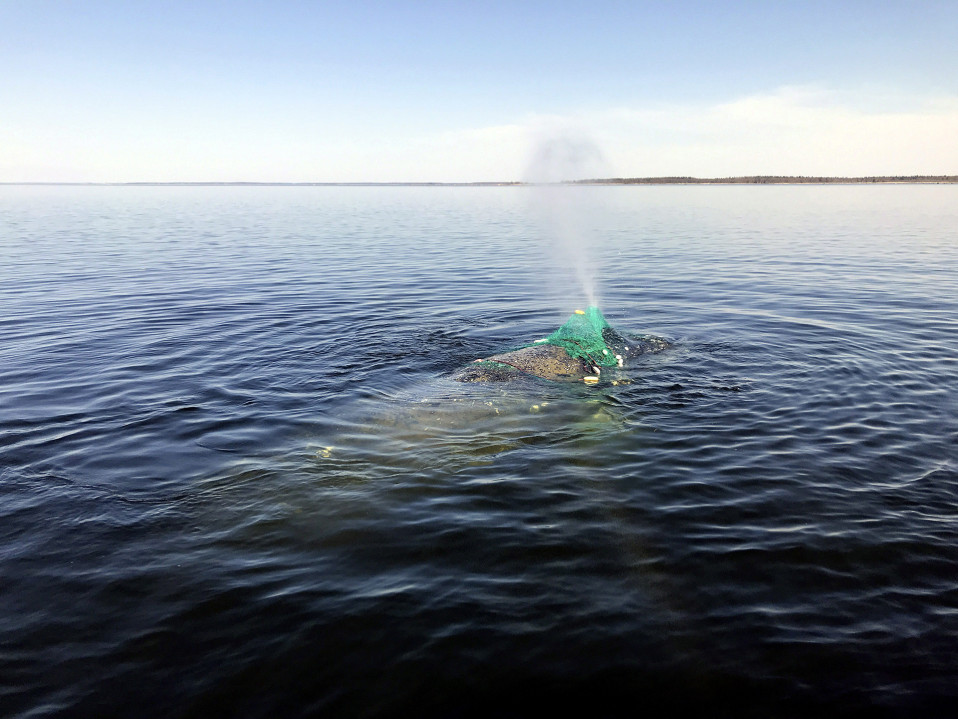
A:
[236,478]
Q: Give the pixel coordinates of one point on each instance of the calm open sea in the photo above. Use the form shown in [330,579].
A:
[236,479]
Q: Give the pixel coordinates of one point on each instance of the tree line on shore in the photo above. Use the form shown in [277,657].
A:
[770,180]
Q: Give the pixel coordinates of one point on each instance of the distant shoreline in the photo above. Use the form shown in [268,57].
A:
[776,180]
[745,180]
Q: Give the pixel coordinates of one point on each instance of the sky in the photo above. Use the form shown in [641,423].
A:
[365,91]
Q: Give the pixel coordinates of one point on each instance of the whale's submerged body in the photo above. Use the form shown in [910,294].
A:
[578,350]
[500,403]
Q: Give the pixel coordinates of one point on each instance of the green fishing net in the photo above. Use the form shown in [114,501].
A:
[585,336]
[577,350]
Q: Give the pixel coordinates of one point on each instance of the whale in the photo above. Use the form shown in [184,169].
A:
[579,351]
[520,397]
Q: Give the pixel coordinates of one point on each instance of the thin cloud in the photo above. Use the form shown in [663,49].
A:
[794,131]
[791,131]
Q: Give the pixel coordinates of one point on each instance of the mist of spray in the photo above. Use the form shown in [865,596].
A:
[565,210]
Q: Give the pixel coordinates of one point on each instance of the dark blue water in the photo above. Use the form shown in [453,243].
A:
[236,480]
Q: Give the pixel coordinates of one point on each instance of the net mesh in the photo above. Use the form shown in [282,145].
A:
[577,350]
[583,336]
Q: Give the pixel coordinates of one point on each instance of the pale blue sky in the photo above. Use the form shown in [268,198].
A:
[445,91]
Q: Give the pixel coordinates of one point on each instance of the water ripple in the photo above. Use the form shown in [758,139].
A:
[236,478]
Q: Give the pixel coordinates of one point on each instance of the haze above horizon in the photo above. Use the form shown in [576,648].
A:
[448,92]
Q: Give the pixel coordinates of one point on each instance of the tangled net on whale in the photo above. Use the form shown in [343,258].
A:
[579,349]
